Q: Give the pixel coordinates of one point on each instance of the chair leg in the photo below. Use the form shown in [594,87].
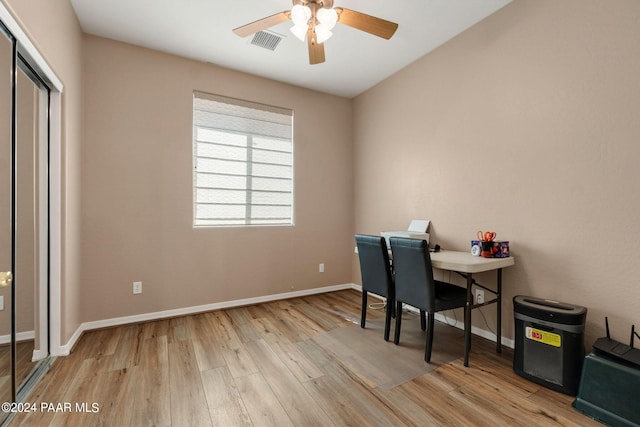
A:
[363,315]
[430,326]
[396,338]
[423,322]
[467,332]
[392,304]
[387,320]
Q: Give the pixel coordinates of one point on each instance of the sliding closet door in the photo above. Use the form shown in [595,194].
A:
[30,222]
[24,224]
[6,232]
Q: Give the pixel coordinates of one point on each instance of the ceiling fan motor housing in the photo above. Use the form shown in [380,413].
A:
[327,4]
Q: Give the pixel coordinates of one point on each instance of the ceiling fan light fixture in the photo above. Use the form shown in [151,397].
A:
[300,31]
[300,15]
[327,17]
[323,33]
[313,21]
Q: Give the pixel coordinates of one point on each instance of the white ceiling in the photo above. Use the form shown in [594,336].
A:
[355,61]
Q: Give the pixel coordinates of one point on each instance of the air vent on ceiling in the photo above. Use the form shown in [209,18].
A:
[266,39]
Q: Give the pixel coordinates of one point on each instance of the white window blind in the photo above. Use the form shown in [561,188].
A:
[243,162]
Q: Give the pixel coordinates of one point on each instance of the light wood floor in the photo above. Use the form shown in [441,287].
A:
[260,365]
[24,366]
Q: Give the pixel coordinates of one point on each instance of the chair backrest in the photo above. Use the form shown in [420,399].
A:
[413,272]
[374,265]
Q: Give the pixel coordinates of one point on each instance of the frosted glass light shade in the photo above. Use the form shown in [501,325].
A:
[300,31]
[322,33]
[327,17]
[300,14]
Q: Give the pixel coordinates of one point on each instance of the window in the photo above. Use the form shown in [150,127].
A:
[243,162]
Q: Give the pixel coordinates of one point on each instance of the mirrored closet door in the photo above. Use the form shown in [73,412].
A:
[24,224]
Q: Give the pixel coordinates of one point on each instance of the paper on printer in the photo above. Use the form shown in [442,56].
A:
[417,230]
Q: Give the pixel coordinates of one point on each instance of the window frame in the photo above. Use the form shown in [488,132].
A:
[251,150]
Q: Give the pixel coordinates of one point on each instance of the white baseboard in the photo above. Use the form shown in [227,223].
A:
[20,336]
[39,354]
[65,350]
[507,342]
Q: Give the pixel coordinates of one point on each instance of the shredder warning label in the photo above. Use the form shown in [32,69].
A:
[544,337]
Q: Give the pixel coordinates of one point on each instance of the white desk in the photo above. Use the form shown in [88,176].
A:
[466,265]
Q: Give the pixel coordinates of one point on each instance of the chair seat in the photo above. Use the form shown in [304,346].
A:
[449,296]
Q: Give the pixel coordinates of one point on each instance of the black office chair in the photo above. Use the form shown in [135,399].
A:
[416,287]
[377,276]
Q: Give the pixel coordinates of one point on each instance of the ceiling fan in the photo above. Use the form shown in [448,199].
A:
[315,19]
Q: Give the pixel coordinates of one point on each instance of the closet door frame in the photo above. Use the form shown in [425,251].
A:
[27,50]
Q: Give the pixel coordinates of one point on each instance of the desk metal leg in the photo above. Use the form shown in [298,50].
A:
[467,320]
[499,313]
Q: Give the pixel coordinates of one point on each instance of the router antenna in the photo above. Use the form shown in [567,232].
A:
[606,323]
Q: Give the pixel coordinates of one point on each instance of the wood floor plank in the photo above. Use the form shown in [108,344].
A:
[127,351]
[106,341]
[321,317]
[188,401]
[408,411]
[300,321]
[490,414]
[223,330]
[257,311]
[116,393]
[369,373]
[151,385]
[157,328]
[266,327]
[208,353]
[207,349]
[319,356]
[263,406]
[239,362]
[226,407]
[296,361]
[482,372]
[348,400]
[290,392]
[559,406]
[241,320]
[177,329]
[445,410]
[239,315]
[24,364]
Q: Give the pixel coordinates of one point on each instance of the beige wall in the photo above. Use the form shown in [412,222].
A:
[53,28]
[526,124]
[137,189]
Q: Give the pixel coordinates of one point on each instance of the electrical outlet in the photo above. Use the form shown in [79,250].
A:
[1,302]
[137,287]
[321,268]
[479,296]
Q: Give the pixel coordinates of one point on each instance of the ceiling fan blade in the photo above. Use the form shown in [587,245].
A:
[262,24]
[316,50]
[367,23]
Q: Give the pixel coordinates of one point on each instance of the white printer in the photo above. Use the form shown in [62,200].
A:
[416,230]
